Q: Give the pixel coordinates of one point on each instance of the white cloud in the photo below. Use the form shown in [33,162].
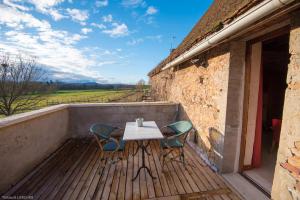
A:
[44,4]
[134,42]
[137,41]
[55,14]
[78,15]
[47,7]
[102,3]
[134,3]
[53,48]
[15,18]
[13,4]
[107,18]
[57,49]
[118,30]
[86,30]
[155,37]
[151,10]
[100,26]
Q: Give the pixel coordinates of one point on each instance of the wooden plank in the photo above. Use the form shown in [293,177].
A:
[42,172]
[41,183]
[85,175]
[218,180]
[180,175]
[59,175]
[80,173]
[109,180]
[65,188]
[191,171]
[200,172]
[94,186]
[187,175]
[37,169]
[63,183]
[101,183]
[136,185]
[150,182]
[202,169]
[214,179]
[88,182]
[116,180]
[165,179]
[142,177]
[76,174]
[172,173]
[129,176]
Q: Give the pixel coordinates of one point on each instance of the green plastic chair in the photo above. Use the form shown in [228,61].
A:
[176,141]
[108,145]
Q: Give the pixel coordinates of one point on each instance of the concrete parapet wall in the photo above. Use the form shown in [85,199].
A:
[27,139]
[117,114]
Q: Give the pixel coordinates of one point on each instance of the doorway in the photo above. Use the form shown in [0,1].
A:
[267,84]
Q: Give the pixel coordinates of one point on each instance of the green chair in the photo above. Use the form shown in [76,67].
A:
[175,141]
[108,145]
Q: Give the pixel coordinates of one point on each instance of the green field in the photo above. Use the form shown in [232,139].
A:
[86,96]
[83,96]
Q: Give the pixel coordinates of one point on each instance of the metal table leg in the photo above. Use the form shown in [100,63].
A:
[144,150]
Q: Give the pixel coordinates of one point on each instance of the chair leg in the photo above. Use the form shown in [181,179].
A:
[183,158]
[123,160]
[102,162]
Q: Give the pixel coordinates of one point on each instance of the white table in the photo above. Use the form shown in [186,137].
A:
[149,131]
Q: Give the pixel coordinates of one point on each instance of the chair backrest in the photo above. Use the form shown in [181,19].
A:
[102,131]
[181,127]
[216,139]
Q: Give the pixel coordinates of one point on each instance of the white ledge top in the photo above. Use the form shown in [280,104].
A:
[156,103]
[14,119]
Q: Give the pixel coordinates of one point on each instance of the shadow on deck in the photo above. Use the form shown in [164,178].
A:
[73,172]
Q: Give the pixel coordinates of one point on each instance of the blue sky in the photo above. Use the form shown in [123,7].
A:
[104,41]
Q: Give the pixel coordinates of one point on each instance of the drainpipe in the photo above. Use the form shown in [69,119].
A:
[251,16]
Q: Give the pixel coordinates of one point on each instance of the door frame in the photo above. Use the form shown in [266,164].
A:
[247,78]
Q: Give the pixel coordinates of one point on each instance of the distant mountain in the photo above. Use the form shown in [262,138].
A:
[89,85]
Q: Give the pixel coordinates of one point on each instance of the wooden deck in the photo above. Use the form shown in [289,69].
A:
[73,172]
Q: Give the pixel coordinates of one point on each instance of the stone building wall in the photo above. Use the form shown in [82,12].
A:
[201,91]
[290,132]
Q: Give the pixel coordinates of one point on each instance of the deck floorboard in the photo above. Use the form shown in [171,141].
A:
[76,172]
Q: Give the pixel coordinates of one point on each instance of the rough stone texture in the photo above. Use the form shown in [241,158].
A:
[82,117]
[25,144]
[291,117]
[202,92]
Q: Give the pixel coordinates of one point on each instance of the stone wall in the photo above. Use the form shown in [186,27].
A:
[290,132]
[201,91]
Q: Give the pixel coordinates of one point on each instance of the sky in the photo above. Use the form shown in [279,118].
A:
[103,41]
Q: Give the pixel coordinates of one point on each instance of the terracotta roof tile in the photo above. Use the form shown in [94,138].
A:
[220,13]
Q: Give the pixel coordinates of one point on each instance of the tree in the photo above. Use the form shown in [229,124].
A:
[140,85]
[21,84]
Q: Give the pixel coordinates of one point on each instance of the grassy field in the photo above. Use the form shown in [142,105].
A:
[87,96]
[80,96]
[84,96]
